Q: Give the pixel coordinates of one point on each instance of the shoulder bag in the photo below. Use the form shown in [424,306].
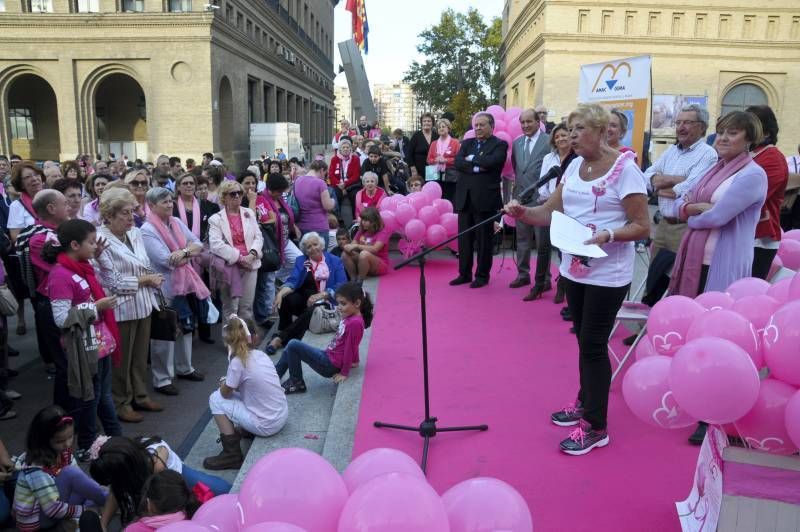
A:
[324,318]
[270,254]
[164,321]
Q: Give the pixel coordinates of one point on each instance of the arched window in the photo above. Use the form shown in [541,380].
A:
[743,96]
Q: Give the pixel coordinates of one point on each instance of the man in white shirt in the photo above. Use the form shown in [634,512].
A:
[674,174]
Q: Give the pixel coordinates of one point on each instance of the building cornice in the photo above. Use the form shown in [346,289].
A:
[127,20]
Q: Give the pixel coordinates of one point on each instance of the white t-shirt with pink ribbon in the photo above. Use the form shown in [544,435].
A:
[598,205]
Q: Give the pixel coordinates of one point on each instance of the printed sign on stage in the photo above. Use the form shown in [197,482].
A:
[700,512]
[666,108]
[622,84]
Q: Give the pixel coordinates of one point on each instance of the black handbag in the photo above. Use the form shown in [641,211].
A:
[164,322]
[270,254]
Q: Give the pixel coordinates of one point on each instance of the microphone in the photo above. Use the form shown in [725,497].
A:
[527,195]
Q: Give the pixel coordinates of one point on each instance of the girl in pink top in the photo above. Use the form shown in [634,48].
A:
[369,196]
[368,254]
[166,500]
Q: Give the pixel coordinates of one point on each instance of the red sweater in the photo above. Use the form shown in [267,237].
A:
[774,164]
[353,171]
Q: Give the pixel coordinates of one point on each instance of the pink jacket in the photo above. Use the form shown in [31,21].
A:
[151,523]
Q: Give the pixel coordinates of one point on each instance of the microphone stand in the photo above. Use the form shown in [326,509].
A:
[427,428]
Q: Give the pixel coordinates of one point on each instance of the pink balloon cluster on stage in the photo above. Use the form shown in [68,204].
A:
[506,127]
[296,490]
[724,358]
[422,218]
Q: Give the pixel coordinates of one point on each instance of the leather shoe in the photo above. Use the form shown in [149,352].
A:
[127,415]
[460,280]
[148,405]
[520,282]
[479,283]
[169,389]
[536,292]
[194,376]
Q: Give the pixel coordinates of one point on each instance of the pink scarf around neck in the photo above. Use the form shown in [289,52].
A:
[689,262]
[27,202]
[195,215]
[441,148]
[184,279]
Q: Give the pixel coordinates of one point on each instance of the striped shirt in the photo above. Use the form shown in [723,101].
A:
[120,269]
[691,162]
[36,497]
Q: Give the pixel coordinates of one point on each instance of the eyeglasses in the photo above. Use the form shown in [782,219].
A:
[187,184]
[679,123]
[235,194]
[138,184]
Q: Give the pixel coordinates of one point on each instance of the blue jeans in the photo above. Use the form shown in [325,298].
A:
[217,485]
[296,352]
[101,406]
[5,505]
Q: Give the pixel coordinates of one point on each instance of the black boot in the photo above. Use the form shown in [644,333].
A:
[699,434]
[559,297]
[231,456]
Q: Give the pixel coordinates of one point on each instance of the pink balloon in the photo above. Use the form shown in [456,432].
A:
[395,502]
[443,206]
[296,486]
[647,393]
[469,134]
[782,344]
[794,288]
[502,135]
[221,512]
[776,265]
[433,190]
[450,223]
[714,380]
[514,129]
[399,199]
[428,215]
[715,300]
[749,286]
[789,252]
[513,112]
[389,221]
[271,526]
[509,221]
[497,112]
[757,309]
[780,290]
[508,170]
[418,200]
[485,504]
[669,321]
[185,526]
[377,462]
[764,426]
[415,230]
[792,419]
[731,326]
[404,214]
[794,234]
[499,126]
[387,204]
[645,348]
[436,234]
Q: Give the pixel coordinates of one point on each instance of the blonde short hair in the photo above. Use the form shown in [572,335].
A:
[592,114]
[444,122]
[131,175]
[227,186]
[114,200]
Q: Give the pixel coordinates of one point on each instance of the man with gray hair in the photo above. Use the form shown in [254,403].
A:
[674,174]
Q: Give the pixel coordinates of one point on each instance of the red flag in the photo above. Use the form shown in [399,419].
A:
[360,25]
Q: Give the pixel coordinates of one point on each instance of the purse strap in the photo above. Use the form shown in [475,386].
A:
[162,301]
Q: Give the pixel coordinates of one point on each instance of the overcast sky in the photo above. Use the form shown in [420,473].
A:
[393,29]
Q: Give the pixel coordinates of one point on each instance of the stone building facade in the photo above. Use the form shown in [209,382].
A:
[145,77]
[734,52]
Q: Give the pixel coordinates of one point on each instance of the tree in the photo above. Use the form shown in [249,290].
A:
[460,71]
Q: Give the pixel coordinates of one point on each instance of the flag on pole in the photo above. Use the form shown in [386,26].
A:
[360,25]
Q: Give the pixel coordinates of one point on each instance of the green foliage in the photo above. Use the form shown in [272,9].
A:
[460,65]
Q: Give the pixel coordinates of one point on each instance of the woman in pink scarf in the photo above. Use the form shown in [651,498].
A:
[443,154]
[171,246]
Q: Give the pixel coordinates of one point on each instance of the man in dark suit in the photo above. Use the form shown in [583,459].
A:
[479,162]
[527,153]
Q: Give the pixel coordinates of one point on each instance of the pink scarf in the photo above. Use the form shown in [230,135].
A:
[184,279]
[154,522]
[27,202]
[195,215]
[689,262]
[441,148]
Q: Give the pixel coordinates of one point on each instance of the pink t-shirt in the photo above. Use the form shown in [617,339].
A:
[260,389]
[343,349]
[370,239]
[237,233]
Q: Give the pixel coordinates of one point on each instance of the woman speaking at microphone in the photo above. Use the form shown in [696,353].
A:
[605,191]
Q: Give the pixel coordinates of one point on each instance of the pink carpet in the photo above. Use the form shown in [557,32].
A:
[498,360]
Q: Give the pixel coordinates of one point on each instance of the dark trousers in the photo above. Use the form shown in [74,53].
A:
[594,310]
[102,406]
[296,329]
[657,276]
[294,304]
[448,191]
[48,336]
[543,252]
[479,240]
[762,261]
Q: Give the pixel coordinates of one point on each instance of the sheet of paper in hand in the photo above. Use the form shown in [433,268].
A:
[569,235]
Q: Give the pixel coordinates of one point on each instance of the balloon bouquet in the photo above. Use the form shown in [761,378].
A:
[296,490]
[724,358]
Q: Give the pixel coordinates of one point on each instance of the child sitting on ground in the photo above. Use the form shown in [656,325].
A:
[368,254]
[335,361]
[414,183]
[333,228]
[51,489]
[249,395]
[166,500]
[342,239]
